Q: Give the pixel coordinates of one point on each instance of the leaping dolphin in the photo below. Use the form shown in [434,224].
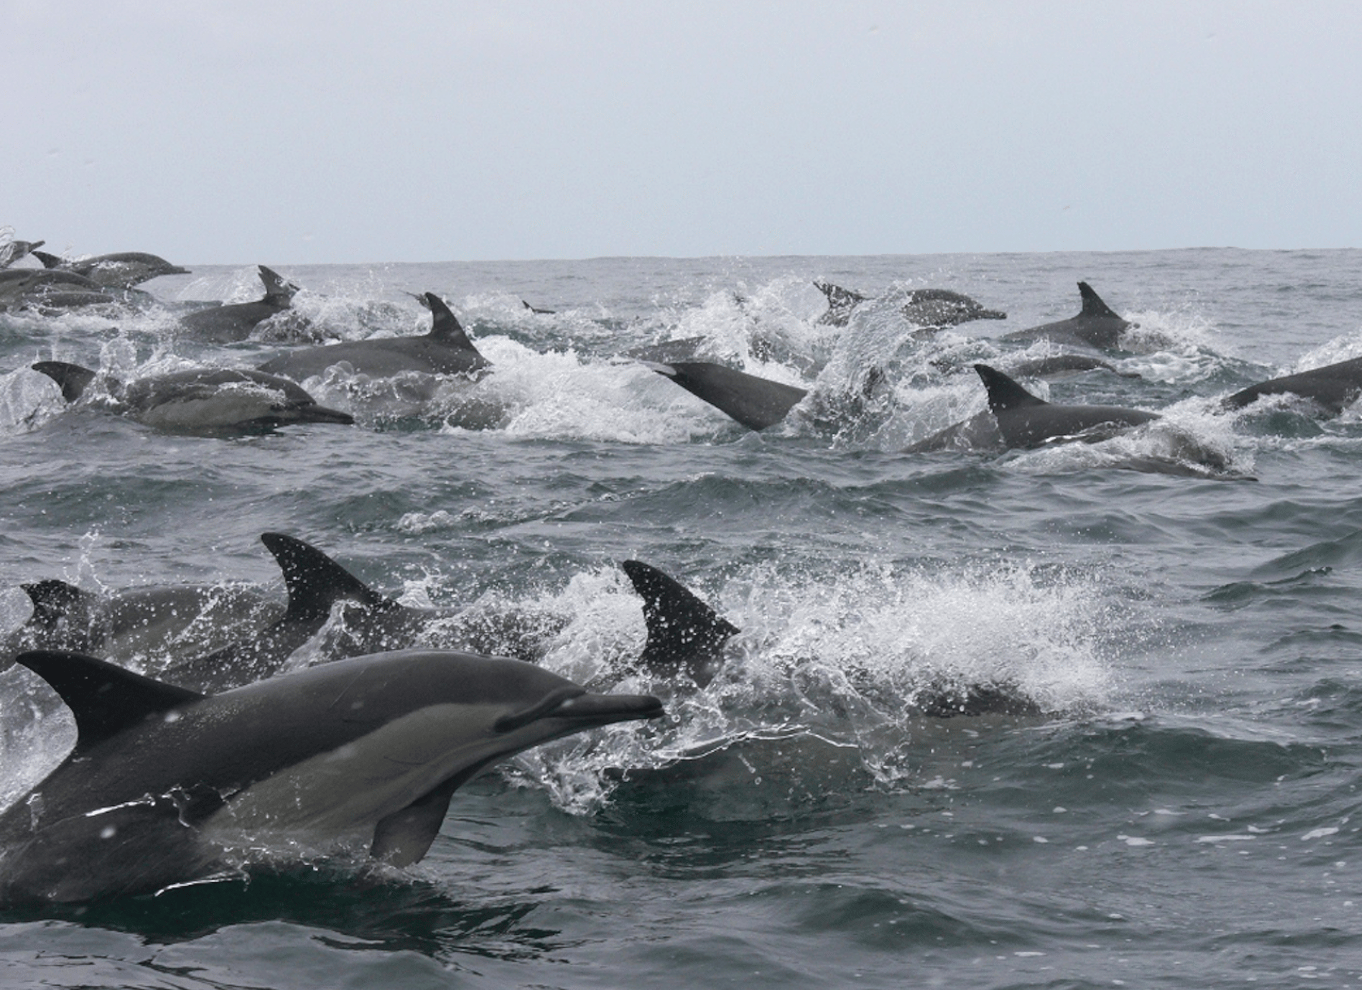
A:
[121,270]
[1333,387]
[166,786]
[236,321]
[446,350]
[1096,325]
[202,400]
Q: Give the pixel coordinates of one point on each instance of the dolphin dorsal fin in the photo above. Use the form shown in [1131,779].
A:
[1093,304]
[314,581]
[72,378]
[278,290]
[683,632]
[444,325]
[838,296]
[1004,393]
[105,698]
[48,260]
[55,600]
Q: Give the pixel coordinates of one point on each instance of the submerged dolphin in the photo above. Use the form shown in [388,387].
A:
[1096,325]
[754,402]
[1024,420]
[236,321]
[1333,387]
[121,270]
[136,622]
[926,308]
[446,350]
[166,786]
[202,400]
[43,289]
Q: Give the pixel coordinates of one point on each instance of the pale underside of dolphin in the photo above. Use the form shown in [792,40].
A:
[166,786]
[925,308]
[1096,325]
[445,350]
[201,400]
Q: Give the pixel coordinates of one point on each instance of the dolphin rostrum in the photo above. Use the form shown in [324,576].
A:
[166,786]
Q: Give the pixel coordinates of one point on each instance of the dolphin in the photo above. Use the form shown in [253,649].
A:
[1096,325]
[13,250]
[202,400]
[167,786]
[1061,365]
[446,350]
[236,321]
[754,402]
[939,308]
[155,621]
[929,309]
[43,289]
[536,310]
[1025,420]
[122,270]
[840,304]
[1333,387]
[684,634]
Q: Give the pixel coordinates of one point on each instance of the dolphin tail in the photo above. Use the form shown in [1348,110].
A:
[754,402]
[278,290]
[314,581]
[1093,304]
[1003,392]
[445,326]
[684,634]
[72,378]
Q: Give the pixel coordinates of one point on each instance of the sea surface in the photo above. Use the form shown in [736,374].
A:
[1179,810]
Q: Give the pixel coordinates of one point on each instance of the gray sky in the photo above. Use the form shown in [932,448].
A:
[299,132]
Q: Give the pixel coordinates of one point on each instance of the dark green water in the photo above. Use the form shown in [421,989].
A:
[1182,813]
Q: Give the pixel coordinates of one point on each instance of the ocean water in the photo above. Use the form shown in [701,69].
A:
[1181,811]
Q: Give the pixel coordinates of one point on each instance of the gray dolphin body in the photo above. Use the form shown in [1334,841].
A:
[1096,325]
[121,270]
[202,400]
[1333,387]
[1025,420]
[14,250]
[754,402]
[446,350]
[236,321]
[39,288]
[166,786]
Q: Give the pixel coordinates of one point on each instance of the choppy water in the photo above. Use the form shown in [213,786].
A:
[1182,815]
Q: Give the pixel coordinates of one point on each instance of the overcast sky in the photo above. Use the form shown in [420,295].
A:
[301,132]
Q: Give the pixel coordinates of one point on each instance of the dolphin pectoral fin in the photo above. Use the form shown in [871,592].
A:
[683,632]
[104,698]
[405,836]
[72,378]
